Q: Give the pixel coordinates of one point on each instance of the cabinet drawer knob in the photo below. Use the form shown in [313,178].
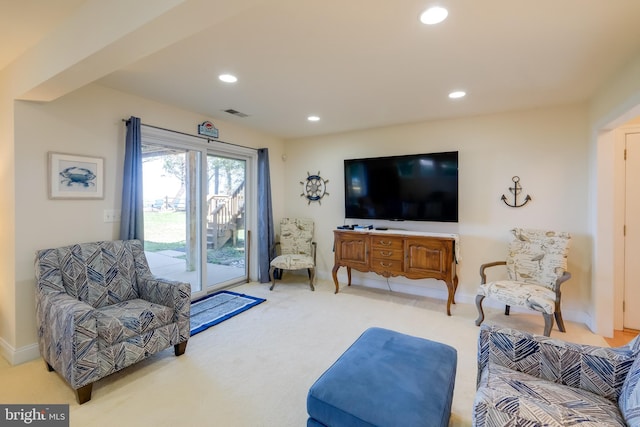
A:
[386,253]
[385,242]
[385,264]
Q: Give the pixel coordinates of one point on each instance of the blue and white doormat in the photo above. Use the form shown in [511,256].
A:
[218,307]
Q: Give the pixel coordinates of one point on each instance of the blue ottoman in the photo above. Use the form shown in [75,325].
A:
[386,379]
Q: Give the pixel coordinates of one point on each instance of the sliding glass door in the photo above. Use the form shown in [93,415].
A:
[226,228]
[196,209]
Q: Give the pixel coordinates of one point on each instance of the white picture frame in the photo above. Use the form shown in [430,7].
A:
[75,177]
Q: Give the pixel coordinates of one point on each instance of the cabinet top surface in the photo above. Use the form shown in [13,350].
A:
[402,233]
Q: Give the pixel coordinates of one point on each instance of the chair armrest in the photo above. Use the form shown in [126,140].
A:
[314,248]
[68,336]
[169,293]
[565,276]
[173,294]
[483,267]
[600,370]
[274,249]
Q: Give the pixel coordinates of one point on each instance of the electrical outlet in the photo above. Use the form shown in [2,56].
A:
[111,215]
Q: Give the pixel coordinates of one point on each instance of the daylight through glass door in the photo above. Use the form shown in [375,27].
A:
[172,206]
[226,216]
[194,216]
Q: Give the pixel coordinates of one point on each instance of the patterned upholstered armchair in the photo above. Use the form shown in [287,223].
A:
[99,310]
[297,248]
[536,266]
[533,380]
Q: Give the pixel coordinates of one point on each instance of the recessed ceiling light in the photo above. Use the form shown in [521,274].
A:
[228,78]
[313,118]
[457,94]
[434,15]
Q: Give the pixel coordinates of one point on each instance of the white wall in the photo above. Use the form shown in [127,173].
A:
[87,122]
[617,103]
[546,148]
[7,217]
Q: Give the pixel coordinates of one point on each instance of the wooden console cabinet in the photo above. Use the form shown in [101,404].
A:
[393,253]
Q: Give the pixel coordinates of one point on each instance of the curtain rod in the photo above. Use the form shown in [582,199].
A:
[192,135]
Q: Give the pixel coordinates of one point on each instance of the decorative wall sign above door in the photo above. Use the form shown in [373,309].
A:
[314,188]
[208,129]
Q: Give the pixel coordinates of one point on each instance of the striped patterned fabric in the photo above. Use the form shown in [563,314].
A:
[630,396]
[533,380]
[99,309]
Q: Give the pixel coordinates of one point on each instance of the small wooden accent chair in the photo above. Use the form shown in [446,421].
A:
[297,249]
[536,267]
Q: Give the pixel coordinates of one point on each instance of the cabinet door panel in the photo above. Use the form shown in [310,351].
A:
[352,250]
[428,256]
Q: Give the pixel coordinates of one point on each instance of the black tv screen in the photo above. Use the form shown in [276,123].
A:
[416,187]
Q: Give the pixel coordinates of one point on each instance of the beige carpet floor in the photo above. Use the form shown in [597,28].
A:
[255,369]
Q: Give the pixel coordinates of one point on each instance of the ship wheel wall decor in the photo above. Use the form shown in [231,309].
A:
[314,188]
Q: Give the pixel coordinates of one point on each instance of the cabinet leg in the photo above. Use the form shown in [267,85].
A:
[451,290]
[334,273]
[348,276]
[455,286]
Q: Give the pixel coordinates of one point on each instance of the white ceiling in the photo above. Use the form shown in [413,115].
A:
[368,63]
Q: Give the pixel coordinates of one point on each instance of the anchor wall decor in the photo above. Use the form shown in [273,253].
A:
[515,190]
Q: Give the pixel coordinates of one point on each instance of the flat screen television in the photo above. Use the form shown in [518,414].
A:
[415,187]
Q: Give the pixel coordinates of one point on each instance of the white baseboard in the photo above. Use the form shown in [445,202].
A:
[17,356]
[436,289]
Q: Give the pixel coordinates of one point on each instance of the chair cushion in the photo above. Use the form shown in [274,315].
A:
[629,400]
[99,273]
[131,318]
[538,256]
[296,236]
[292,262]
[508,397]
[516,293]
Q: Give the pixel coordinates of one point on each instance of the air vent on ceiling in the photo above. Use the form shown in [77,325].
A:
[236,112]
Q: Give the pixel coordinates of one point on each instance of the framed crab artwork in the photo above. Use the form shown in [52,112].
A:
[75,177]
